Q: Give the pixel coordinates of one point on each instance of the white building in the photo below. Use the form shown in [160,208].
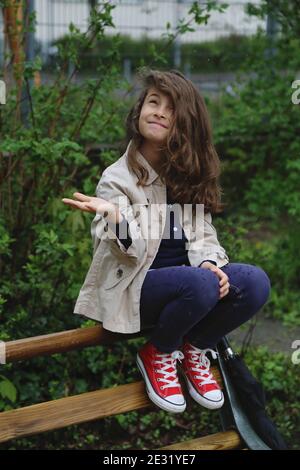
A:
[142,17]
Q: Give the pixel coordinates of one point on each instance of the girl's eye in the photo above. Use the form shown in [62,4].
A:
[169,107]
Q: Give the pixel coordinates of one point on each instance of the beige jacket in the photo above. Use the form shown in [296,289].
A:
[112,287]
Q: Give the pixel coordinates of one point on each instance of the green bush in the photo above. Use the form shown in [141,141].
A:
[225,54]
[256,124]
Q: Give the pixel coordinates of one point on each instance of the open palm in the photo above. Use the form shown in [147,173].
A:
[89,203]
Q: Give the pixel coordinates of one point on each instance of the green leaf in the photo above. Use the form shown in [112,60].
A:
[7,389]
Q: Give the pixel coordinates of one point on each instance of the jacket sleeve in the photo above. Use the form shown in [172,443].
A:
[111,190]
[211,261]
[209,248]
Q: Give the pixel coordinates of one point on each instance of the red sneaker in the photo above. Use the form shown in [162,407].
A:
[201,384]
[160,374]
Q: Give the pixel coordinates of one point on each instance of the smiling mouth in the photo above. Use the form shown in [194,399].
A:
[157,124]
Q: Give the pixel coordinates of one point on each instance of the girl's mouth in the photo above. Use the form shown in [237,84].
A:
[157,124]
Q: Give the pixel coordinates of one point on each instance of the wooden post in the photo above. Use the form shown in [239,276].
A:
[13,33]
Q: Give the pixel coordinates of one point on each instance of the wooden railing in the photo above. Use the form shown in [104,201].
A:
[57,414]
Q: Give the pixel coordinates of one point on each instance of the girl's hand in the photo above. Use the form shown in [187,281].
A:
[94,204]
[224,280]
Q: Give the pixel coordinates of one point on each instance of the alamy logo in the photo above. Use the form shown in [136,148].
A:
[154,217]
[2,92]
[295,95]
[2,352]
[153,222]
[296,354]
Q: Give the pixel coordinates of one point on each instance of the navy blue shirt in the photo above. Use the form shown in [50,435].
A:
[171,251]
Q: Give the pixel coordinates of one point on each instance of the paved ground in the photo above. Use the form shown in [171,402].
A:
[268,332]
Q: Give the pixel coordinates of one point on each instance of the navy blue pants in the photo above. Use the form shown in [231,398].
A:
[180,303]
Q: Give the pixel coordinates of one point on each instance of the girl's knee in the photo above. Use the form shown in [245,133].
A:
[259,285]
[204,286]
[265,284]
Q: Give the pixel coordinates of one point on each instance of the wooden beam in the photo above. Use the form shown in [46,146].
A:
[221,441]
[63,341]
[63,412]
[69,340]
[67,411]
[81,408]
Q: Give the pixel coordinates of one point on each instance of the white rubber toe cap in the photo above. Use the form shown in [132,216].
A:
[176,399]
[214,395]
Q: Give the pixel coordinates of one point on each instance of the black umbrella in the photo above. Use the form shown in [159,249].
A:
[246,399]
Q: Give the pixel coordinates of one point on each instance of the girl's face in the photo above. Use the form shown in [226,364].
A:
[156,116]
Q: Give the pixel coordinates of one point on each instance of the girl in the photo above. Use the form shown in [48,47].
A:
[179,282]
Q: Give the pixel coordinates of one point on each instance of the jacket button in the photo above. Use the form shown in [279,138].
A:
[137,213]
[119,272]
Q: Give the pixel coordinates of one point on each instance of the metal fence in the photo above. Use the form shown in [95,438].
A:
[140,18]
[137,18]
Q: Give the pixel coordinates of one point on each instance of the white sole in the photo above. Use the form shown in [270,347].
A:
[209,404]
[166,406]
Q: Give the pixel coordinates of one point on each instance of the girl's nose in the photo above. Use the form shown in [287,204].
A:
[161,112]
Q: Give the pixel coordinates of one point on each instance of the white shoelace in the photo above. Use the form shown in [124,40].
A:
[202,364]
[169,361]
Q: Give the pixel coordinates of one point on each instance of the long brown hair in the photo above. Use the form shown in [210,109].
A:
[191,166]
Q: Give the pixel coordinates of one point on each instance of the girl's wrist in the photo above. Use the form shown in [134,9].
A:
[113,215]
[209,262]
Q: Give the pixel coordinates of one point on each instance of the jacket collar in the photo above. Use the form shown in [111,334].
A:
[142,160]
